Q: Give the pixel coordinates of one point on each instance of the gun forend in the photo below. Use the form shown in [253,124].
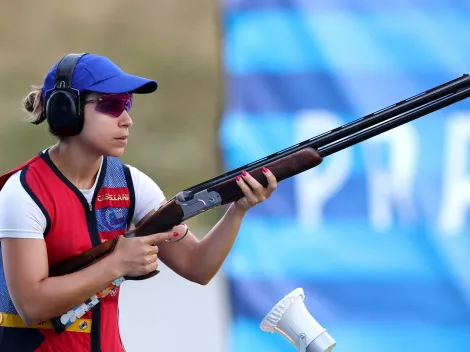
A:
[282,169]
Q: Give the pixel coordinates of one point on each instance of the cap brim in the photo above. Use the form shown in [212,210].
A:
[125,83]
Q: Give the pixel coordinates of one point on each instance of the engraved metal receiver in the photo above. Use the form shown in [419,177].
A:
[197,203]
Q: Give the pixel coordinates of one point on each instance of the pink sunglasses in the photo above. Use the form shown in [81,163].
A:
[112,104]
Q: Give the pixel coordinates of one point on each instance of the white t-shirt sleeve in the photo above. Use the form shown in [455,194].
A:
[148,195]
[20,216]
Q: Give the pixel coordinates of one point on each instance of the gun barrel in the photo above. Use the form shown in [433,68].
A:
[347,129]
[395,122]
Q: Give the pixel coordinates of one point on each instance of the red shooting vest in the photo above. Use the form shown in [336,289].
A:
[72,228]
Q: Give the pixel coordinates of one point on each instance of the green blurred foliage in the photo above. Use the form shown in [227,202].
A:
[174,138]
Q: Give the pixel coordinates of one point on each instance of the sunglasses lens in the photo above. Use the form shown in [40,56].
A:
[114,105]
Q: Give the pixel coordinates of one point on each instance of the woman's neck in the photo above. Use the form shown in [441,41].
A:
[78,166]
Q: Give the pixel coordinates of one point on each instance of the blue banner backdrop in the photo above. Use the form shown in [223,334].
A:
[378,234]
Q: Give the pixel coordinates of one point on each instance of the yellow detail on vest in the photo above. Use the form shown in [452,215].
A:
[15,321]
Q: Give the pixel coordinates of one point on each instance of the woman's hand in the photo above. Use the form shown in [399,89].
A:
[254,191]
[139,256]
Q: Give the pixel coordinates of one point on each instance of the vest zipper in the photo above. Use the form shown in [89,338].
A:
[92,224]
[95,338]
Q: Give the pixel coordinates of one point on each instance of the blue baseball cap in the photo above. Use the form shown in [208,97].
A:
[99,74]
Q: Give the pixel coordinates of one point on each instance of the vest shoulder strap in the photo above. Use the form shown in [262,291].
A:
[4,178]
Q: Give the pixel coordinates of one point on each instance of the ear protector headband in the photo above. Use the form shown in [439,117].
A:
[63,110]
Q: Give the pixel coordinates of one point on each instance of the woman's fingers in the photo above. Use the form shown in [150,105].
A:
[247,191]
[272,182]
[256,187]
[253,190]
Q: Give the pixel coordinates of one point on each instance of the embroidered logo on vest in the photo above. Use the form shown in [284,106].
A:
[108,197]
[112,197]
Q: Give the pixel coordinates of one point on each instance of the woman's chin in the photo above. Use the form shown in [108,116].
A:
[115,152]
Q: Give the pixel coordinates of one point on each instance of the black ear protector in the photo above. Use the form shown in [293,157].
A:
[63,109]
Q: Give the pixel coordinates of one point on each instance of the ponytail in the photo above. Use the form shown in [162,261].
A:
[33,105]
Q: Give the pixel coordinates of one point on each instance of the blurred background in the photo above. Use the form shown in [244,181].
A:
[377,235]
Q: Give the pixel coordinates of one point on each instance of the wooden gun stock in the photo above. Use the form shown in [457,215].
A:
[82,260]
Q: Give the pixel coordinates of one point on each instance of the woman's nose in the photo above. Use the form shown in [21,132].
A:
[125,119]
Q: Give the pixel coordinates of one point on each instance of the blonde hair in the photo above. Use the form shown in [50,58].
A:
[32,103]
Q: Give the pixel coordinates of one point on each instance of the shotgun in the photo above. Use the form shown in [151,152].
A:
[284,164]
